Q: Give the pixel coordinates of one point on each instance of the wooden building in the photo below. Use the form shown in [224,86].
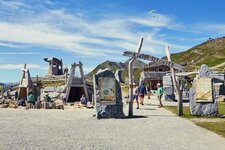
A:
[153,74]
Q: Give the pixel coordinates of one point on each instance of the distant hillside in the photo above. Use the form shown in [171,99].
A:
[211,53]
[138,65]
[108,64]
[2,84]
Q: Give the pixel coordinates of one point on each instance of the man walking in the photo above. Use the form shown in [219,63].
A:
[142,92]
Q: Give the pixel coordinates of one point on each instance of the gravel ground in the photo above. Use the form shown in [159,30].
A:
[152,128]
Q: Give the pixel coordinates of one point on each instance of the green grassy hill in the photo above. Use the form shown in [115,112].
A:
[138,65]
[211,53]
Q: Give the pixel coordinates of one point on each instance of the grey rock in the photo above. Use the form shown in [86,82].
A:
[54,94]
[205,71]
[200,108]
[169,97]
[48,89]
[108,109]
[60,89]
[167,80]
[118,75]
[168,88]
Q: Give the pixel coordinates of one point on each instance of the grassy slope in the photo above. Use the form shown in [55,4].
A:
[107,64]
[115,66]
[210,53]
[217,127]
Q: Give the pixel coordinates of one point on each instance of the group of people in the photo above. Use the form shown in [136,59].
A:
[139,93]
[31,100]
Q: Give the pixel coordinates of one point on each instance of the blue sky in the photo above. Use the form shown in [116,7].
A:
[93,31]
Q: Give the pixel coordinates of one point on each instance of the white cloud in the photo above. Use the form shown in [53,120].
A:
[105,37]
[157,20]
[15,5]
[216,28]
[18,53]
[17,66]
[9,45]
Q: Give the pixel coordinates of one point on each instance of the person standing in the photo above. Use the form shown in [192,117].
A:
[135,95]
[148,89]
[142,92]
[83,100]
[47,98]
[159,94]
[63,97]
[16,95]
[31,98]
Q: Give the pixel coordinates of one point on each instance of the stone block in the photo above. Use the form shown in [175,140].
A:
[107,95]
[167,90]
[170,97]
[203,108]
[167,80]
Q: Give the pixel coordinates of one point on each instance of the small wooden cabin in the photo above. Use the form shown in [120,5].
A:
[153,74]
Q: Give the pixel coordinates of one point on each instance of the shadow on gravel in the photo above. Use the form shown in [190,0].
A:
[184,101]
[152,104]
[147,109]
[161,116]
[135,117]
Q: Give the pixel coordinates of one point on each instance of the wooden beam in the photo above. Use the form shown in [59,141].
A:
[176,85]
[131,80]
[154,59]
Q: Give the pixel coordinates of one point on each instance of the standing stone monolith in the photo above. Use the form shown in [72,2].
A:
[203,101]
[168,88]
[107,95]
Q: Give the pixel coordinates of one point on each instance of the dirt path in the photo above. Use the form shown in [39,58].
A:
[217,66]
[152,128]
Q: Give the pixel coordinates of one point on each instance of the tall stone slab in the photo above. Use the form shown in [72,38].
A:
[107,95]
[203,101]
[168,88]
[118,75]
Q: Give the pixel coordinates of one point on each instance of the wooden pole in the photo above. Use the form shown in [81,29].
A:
[176,85]
[131,80]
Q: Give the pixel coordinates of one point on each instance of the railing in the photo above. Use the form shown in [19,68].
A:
[154,74]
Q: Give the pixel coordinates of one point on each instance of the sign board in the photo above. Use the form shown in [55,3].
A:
[204,90]
[107,89]
[154,59]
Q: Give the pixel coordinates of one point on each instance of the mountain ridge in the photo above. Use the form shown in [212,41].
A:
[210,52]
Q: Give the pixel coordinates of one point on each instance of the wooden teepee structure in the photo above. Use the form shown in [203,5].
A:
[76,86]
[25,83]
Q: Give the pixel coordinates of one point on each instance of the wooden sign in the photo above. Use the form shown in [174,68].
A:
[107,89]
[204,90]
[154,59]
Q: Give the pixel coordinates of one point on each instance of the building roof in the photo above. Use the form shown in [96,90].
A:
[154,65]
